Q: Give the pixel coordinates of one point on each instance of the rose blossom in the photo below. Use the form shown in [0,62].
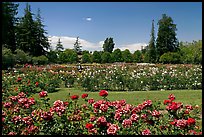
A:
[191,121]
[127,123]
[112,129]
[117,116]
[103,93]
[7,104]
[91,101]
[43,93]
[89,126]
[102,121]
[74,97]
[134,117]
[104,107]
[146,132]
[171,97]
[182,123]
[84,95]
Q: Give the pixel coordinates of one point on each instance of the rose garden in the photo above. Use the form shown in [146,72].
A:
[27,110]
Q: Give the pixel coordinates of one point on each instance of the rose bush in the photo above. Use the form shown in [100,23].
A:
[29,116]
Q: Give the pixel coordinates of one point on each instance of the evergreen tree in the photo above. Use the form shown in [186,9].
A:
[166,39]
[42,43]
[59,46]
[108,45]
[151,50]
[77,46]
[31,34]
[9,11]
[26,37]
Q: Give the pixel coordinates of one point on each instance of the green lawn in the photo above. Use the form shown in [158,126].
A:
[134,97]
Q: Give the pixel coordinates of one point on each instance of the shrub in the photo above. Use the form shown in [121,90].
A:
[40,60]
[8,59]
[170,57]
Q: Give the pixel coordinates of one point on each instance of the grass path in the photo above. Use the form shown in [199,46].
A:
[192,97]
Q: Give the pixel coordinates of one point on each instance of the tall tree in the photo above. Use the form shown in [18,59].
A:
[127,56]
[166,39]
[9,11]
[77,46]
[97,56]
[151,50]
[59,46]
[31,34]
[108,45]
[26,37]
[42,43]
[117,55]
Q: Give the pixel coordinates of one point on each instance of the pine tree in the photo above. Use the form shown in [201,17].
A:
[31,34]
[151,50]
[166,39]
[26,37]
[108,45]
[9,11]
[59,46]
[42,44]
[77,46]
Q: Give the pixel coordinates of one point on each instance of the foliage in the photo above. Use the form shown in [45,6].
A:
[31,34]
[191,52]
[9,11]
[8,59]
[151,49]
[86,58]
[59,46]
[166,36]
[108,45]
[137,56]
[127,56]
[40,60]
[96,57]
[117,55]
[22,115]
[77,46]
[52,56]
[68,56]
[106,57]
[170,57]
[22,57]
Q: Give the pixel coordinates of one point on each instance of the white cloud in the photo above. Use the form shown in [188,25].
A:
[88,18]
[68,42]
[133,47]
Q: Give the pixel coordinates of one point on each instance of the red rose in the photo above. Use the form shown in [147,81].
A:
[171,97]
[43,93]
[36,84]
[167,101]
[74,97]
[103,93]
[191,121]
[89,126]
[84,95]
[19,79]
[65,103]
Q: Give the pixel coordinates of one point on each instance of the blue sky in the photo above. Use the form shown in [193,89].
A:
[129,23]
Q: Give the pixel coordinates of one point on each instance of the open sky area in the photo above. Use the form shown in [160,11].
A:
[128,23]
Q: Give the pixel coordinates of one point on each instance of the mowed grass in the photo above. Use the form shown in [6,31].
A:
[193,97]
[187,97]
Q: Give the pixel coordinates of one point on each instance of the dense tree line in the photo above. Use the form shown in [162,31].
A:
[24,40]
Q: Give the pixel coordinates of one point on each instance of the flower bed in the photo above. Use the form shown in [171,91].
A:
[28,116]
